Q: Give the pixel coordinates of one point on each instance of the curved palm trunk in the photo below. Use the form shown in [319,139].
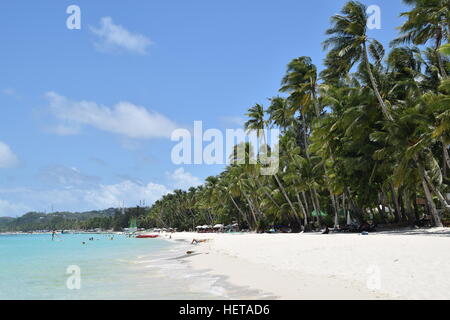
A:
[446,155]
[306,202]
[302,207]
[398,212]
[375,86]
[313,202]
[252,209]
[283,191]
[268,194]
[436,219]
[237,207]
[435,190]
[409,208]
[319,210]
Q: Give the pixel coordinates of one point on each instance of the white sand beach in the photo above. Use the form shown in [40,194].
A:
[392,265]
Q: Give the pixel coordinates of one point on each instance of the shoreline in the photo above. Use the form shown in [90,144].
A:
[214,284]
[386,265]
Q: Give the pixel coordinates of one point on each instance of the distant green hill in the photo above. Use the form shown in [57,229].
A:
[32,221]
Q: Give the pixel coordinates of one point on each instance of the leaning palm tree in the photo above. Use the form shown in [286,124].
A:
[350,44]
[300,82]
[427,21]
[280,113]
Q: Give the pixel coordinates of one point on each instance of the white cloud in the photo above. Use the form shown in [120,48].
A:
[183,180]
[9,92]
[8,209]
[113,37]
[7,158]
[130,192]
[64,130]
[124,118]
[80,199]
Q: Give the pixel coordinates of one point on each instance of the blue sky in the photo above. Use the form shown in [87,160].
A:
[86,114]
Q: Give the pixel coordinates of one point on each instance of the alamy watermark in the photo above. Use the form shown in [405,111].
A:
[374,19]
[234,146]
[374,278]
[73,282]
[73,22]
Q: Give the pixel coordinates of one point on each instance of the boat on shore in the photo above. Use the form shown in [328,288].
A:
[147,236]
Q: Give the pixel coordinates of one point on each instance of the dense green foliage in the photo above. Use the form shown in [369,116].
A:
[368,135]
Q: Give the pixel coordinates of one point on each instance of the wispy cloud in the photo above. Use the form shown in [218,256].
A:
[11,92]
[73,190]
[113,38]
[124,118]
[8,209]
[182,179]
[65,176]
[64,130]
[7,158]
[77,198]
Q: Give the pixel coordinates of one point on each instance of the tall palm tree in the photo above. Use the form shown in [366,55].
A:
[350,44]
[256,121]
[280,113]
[301,82]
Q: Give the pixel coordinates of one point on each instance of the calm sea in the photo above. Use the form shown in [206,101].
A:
[35,267]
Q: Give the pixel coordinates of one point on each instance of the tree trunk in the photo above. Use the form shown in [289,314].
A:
[316,198]
[237,207]
[409,208]
[268,195]
[283,191]
[446,155]
[434,189]
[397,206]
[375,86]
[313,204]
[306,202]
[336,211]
[302,207]
[252,209]
[386,201]
[436,219]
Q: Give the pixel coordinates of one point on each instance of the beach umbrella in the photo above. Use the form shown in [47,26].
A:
[315,213]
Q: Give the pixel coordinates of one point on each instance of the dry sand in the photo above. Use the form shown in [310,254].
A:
[396,265]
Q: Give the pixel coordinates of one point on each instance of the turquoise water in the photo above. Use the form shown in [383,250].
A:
[34,267]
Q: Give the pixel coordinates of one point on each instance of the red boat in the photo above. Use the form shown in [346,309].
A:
[148,236]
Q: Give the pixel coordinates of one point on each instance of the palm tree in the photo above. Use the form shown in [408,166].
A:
[428,20]
[301,83]
[256,121]
[280,113]
[350,44]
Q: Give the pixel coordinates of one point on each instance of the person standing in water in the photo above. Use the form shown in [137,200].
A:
[53,235]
